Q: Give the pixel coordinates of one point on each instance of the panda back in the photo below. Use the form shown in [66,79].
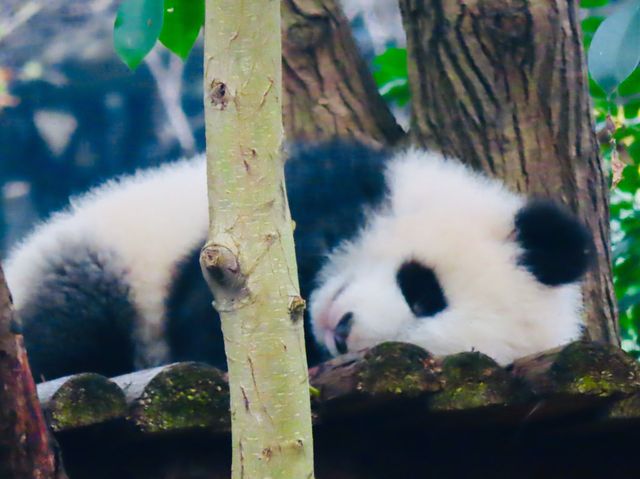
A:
[137,228]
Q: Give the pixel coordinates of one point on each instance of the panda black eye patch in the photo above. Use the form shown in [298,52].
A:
[421,289]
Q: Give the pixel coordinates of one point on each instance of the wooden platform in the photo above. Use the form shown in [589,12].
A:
[390,412]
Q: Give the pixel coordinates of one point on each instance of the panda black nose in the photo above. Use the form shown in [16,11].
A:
[341,333]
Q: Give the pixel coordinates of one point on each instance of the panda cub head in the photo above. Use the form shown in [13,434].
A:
[452,261]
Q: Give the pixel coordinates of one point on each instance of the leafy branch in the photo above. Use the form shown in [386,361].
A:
[141,23]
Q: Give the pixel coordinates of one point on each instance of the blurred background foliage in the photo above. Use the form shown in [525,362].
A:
[618,125]
[72,114]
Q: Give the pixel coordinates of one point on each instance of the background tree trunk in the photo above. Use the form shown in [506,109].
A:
[24,437]
[249,260]
[502,84]
[329,91]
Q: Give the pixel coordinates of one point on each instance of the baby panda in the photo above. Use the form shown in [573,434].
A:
[113,283]
[452,261]
[406,246]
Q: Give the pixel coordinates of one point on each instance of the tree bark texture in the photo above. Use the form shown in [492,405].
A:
[502,85]
[329,90]
[25,452]
[249,260]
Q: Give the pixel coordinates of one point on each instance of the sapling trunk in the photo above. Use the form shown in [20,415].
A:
[249,259]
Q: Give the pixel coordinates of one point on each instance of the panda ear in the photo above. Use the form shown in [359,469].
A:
[556,247]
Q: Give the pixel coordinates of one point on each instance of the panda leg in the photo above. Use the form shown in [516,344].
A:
[79,317]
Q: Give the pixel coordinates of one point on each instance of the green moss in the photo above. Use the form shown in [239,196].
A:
[628,408]
[460,367]
[468,396]
[594,369]
[397,369]
[84,400]
[183,396]
[472,380]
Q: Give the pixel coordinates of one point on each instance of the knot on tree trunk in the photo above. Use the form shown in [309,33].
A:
[296,308]
[219,94]
[220,266]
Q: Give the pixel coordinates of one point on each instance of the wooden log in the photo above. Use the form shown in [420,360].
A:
[626,409]
[472,380]
[398,382]
[329,91]
[391,373]
[383,372]
[177,397]
[580,369]
[81,400]
[577,378]
[26,451]
[571,379]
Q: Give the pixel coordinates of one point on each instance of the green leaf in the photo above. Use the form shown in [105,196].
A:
[630,179]
[391,64]
[595,91]
[137,27]
[591,23]
[593,3]
[634,352]
[397,92]
[391,75]
[631,86]
[589,27]
[631,109]
[629,300]
[182,22]
[614,51]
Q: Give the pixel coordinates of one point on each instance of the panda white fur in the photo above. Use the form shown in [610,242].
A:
[408,247]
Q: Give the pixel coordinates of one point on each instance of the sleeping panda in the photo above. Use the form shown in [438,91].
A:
[406,246]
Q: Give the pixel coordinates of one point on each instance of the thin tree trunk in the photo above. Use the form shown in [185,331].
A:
[24,438]
[502,85]
[329,91]
[249,259]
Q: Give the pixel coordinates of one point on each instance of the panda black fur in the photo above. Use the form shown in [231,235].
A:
[406,247]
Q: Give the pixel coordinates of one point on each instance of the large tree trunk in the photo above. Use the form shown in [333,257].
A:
[502,85]
[249,260]
[24,437]
[329,90]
